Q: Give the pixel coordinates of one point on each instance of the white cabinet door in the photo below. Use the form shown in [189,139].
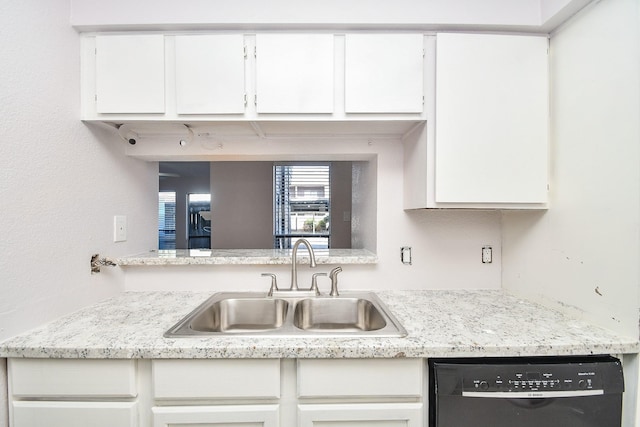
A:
[361,415]
[491,119]
[74,414]
[294,73]
[224,415]
[130,74]
[210,74]
[384,73]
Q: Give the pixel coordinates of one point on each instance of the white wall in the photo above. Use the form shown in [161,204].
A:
[61,182]
[364,202]
[584,251]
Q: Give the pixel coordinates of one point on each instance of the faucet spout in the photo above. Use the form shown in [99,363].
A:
[294,254]
[334,281]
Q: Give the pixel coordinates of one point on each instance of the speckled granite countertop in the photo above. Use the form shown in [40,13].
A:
[439,324]
[245,257]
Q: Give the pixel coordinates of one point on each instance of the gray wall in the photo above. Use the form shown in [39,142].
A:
[341,205]
[241,205]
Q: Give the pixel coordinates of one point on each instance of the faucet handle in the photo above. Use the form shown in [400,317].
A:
[274,283]
[334,281]
[314,282]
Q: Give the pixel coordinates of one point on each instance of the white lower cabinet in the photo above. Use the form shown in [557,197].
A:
[360,415]
[74,414]
[381,392]
[70,378]
[213,379]
[360,378]
[73,393]
[223,415]
[217,393]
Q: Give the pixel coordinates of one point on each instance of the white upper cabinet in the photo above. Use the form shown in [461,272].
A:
[384,73]
[491,119]
[294,73]
[210,77]
[129,74]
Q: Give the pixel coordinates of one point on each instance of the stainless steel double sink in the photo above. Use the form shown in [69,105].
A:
[352,314]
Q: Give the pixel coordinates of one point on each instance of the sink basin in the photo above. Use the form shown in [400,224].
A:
[233,315]
[344,314]
[352,314]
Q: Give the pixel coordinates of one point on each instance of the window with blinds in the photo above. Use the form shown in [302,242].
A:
[166,220]
[302,194]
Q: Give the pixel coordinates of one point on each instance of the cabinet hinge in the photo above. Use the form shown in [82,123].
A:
[255,51]
[245,51]
[423,53]
[422,99]
[255,99]
[245,99]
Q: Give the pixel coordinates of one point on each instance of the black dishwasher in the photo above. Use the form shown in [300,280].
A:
[526,392]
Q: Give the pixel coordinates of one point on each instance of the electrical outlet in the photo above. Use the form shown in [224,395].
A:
[405,255]
[119,228]
[487,254]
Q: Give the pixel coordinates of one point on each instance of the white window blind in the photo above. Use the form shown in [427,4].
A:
[302,195]
[166,220]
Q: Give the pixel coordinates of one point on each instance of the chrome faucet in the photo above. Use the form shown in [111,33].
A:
[334,281]
[294,269]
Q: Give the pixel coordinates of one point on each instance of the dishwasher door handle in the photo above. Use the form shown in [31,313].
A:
[532,394]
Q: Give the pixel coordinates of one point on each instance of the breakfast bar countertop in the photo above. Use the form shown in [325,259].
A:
[165,257]
[440,323]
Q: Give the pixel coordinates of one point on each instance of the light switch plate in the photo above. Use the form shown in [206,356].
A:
[119,228]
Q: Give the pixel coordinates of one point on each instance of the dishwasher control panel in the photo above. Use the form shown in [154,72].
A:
[528,378]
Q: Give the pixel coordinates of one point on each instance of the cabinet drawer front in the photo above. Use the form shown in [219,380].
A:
[74,414]
[359,377]
[227,415]
[71,378]
[361,415]
[220,378]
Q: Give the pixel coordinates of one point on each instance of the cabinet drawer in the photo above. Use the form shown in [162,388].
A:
[220,378]
[360,415]
[221,415]
[72,378]
[74,414]
[359,377]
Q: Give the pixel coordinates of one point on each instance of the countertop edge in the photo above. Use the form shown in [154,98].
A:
[278,352]
[243,257]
